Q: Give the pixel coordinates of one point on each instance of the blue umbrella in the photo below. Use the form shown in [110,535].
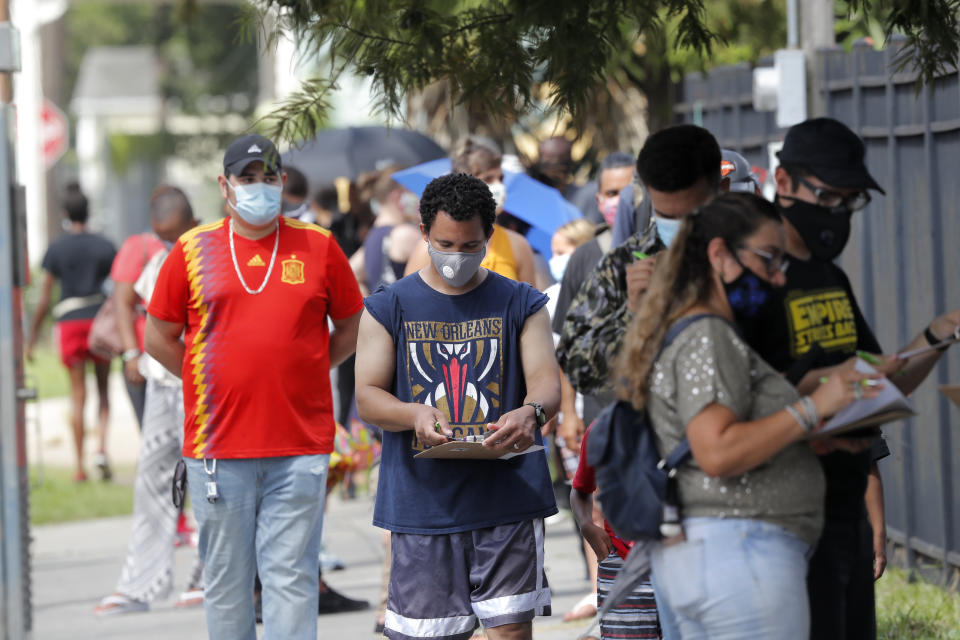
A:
[542,207]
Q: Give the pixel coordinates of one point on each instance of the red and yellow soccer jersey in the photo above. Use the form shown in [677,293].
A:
[256,374]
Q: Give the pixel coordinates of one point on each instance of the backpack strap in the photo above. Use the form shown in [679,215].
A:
[681,452]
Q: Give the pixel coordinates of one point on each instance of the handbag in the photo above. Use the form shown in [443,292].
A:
[104,339]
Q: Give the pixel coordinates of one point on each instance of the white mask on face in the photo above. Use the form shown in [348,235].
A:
[558,265]
[499,192]
[409,203]
[257,203]
[667,228]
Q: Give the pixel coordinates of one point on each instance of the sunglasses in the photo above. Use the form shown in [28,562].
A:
[773,263]
[837,201]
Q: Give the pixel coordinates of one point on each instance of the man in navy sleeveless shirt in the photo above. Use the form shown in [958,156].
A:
[455,350]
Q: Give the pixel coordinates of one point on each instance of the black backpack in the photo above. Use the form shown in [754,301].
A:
[631,477]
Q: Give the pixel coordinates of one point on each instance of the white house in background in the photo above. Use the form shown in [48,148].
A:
[117,92]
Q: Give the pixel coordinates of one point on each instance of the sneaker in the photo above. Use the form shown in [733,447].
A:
[334,602]
[119,604]
[330,601]
[103,465]
[330,561]
[189,598]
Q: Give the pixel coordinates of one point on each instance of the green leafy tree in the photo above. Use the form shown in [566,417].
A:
[196,44]
[493,53]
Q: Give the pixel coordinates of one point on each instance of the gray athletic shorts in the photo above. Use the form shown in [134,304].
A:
[441,585]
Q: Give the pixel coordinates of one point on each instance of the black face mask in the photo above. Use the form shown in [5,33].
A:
[752,300]
[824,231]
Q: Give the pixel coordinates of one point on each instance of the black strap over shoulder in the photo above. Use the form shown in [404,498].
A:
[681,452]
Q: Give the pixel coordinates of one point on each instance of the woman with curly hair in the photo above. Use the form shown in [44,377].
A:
[751,495]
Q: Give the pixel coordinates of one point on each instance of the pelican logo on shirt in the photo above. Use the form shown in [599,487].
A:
[256,261]
[292,271]
[456,367]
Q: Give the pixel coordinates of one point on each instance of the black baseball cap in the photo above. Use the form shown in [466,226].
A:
[828,149]
[245,150]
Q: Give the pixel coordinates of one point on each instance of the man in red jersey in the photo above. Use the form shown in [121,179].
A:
[252,294]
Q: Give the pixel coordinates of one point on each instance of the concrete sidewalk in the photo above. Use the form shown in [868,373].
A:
[76,564]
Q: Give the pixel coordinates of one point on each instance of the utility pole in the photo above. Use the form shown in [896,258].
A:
[15,607]
[6,81]
[816,32]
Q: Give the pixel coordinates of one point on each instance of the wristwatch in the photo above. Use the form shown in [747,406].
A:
[130,354]
[538,412]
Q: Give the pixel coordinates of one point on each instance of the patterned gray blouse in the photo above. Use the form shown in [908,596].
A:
[707,364]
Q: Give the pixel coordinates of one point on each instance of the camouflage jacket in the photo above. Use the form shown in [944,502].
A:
[598,317]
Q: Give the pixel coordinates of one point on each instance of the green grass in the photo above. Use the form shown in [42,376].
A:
[57,498]
[47,373]
[918,610]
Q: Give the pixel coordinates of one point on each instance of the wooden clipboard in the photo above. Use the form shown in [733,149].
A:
[471,451]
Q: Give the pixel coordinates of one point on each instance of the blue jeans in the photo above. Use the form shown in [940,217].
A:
[269,514]
[732,579]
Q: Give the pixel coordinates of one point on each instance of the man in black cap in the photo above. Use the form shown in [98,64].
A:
[252,294]
[821,182]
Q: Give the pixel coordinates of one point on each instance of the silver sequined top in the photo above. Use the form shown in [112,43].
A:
[707,364]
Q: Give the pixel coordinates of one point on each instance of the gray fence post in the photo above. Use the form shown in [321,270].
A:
[14,558]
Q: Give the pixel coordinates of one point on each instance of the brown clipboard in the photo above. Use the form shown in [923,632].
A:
[472,451]
[952,391]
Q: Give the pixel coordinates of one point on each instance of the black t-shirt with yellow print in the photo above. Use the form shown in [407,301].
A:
[818,307]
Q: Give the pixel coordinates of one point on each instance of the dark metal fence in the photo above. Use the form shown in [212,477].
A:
[902,259]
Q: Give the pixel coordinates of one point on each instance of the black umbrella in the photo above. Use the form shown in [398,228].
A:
[336,153]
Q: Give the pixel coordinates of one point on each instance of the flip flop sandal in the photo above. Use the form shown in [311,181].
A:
[118,604]
[189,598]
[585,608]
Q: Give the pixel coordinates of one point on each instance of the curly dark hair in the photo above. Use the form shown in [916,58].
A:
[460,196]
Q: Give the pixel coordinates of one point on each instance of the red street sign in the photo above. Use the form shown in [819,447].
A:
[54,133]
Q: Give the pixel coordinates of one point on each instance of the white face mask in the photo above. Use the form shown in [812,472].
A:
[499,192]
[257,203]
[558,265]
[667,228]
[409,203]
[456,267]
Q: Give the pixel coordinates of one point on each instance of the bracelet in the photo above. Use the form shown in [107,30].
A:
[130,354]
[809,418]
[932,340]
[810,408]
[795,414]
